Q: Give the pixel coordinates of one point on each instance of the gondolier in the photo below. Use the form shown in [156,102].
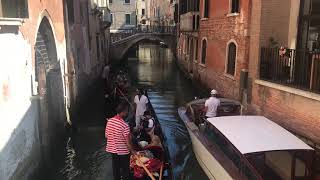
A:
[141,102]
[119,143]
[211,104]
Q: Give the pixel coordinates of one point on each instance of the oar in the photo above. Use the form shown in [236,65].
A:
[145,168]
[125,97]
[161,171]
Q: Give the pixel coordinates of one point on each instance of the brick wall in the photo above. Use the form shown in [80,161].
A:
[219,29]
[275,21]
[297,113]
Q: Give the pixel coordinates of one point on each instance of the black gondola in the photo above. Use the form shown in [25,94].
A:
[167,172]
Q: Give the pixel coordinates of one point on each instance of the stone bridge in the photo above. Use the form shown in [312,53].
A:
[118,49]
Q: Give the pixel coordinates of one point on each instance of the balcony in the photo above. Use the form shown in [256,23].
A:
[105,17]
[189,21]
[295,68]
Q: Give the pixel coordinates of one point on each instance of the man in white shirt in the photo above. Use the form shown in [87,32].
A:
[212,104]
[141,102]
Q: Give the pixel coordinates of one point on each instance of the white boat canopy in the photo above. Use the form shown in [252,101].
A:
[250,134]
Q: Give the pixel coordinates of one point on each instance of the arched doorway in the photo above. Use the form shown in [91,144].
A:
[50,89]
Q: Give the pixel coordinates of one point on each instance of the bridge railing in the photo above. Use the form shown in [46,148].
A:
[124,33]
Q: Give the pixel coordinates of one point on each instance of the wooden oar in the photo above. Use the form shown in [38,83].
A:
[125,98]
[145,168]
[161,171]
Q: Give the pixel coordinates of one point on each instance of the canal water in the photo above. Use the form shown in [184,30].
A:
[153,68]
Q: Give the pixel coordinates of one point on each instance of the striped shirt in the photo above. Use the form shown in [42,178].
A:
[117,133]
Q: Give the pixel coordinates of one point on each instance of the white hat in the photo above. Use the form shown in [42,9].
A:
[213,92]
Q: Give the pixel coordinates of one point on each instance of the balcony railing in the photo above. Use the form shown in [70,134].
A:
[296,68]
[124,33]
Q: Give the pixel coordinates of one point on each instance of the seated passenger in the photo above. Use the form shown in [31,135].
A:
[155,140]
[147,121]
[155,145]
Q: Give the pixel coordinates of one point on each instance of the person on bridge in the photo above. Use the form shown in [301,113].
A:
[119,143]
[211,104]
[140,101]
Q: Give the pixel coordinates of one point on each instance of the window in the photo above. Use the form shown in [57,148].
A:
[198,22]
[204,51]
[232,55]
[196,51]
[98,47]
[128,19]
[194,22]
[235,6]
[111,16]
[143,12]
[14,9]
[127,1]
[110,1]
[206,9]
[70,11]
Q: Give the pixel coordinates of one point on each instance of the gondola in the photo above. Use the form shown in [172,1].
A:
[164,172]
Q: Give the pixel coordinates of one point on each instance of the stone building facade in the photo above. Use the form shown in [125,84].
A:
[123,13]
[161,13]
[188,35]
[38,77]
[89,35]
[143,12]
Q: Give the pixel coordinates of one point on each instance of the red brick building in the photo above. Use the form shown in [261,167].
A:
[285,82]
[276,42]
[222,45]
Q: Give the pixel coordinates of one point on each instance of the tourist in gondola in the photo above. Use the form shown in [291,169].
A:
[146,125]
[140,103]
[148,121]
[119,143]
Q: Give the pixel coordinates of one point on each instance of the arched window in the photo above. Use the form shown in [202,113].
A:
[206,9]
[204,51]
[235,6]
[232,55]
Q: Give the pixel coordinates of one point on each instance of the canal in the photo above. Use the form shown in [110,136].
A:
[152,68]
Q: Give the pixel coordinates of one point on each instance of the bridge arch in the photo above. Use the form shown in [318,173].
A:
[120,48]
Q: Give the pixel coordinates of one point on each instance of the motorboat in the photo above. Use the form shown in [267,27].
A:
[232,146]
[163,45]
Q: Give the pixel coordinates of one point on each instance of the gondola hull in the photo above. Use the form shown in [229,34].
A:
[167,172]
[202,148]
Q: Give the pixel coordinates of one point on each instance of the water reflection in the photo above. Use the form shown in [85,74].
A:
[70,171]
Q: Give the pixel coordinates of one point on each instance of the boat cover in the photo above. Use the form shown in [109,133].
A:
[250,134]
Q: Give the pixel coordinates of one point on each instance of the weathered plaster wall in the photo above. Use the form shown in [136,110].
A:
[20,144]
